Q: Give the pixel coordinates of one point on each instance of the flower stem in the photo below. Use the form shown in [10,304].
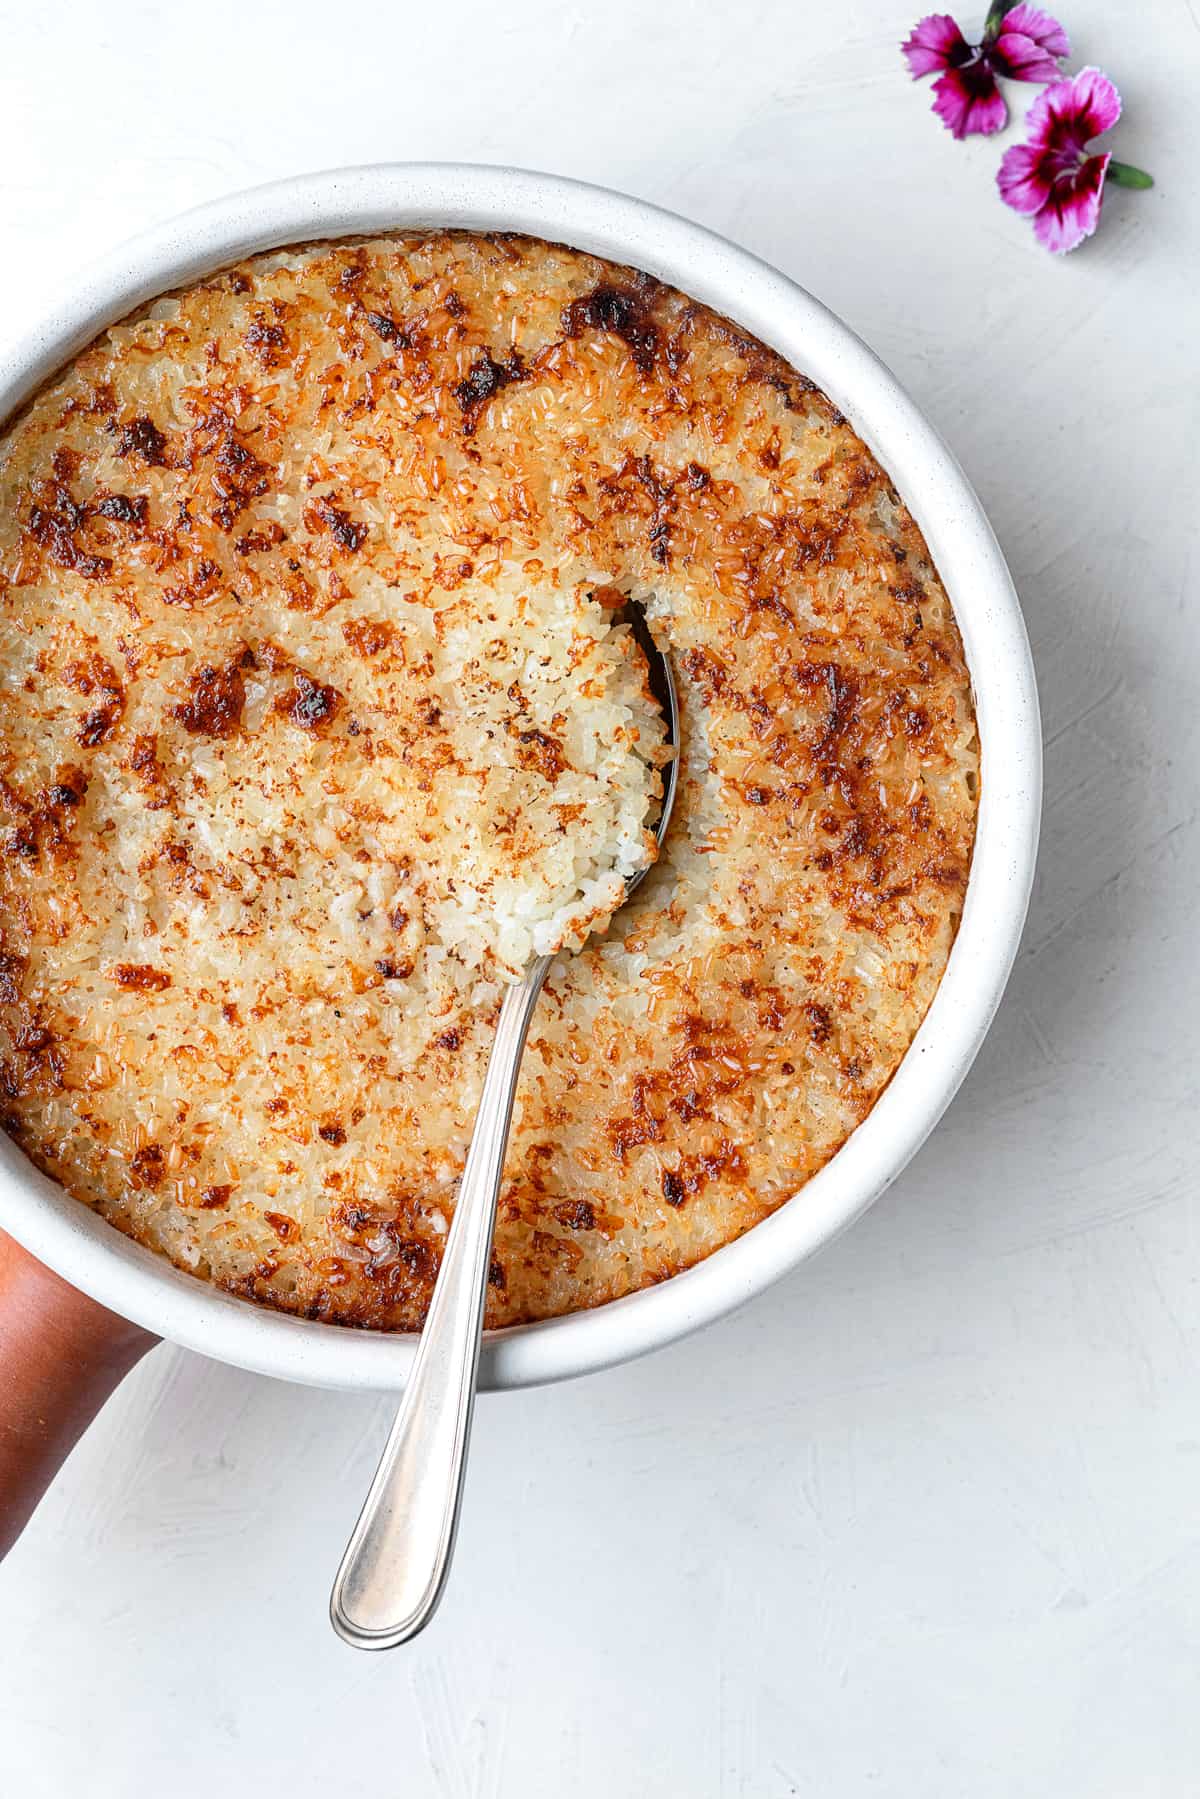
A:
[996,12]
[1123,174]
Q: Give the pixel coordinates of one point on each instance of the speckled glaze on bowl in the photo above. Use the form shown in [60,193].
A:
[132,1280]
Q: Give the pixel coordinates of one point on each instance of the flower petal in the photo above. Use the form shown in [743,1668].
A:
[1021,179]
[969,103]
[1032,22]
[1073,211]
[935,42]
[1042,118]
[1077,109]
[1097,103]
[1022,58]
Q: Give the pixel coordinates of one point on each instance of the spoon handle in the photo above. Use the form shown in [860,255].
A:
[396,1562]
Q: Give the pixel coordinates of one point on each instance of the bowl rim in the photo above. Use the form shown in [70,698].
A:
[328,204]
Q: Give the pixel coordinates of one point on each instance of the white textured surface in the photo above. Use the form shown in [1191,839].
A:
[925,1519]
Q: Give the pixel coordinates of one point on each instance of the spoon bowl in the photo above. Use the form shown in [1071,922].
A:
[661,677]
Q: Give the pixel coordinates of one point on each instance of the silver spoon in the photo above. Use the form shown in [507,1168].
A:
[396,1562]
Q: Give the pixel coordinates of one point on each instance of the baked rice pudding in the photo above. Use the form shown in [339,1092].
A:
[315,686]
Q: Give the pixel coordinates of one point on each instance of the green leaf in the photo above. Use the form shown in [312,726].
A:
[1123,174]
[996,12]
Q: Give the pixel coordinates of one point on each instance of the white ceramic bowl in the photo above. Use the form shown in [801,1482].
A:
[143,1286]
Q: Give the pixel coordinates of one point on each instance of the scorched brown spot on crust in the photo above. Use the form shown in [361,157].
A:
[198,583]
[820,1024]
[55,522]
[143,761]
[622,312]
[44,825]
[11,968]
[96,678]
[267,342]
[392,970]
[230,1018]
[486,378]
[576,1215]
[142,439]
[538,749]
[141,977]
[125,509]
[310,704]
[148,1165]
[236,475]
[389,330]
[216,699]
[323,515]
[368,636]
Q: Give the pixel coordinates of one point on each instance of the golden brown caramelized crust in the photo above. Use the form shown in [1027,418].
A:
[226,532]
